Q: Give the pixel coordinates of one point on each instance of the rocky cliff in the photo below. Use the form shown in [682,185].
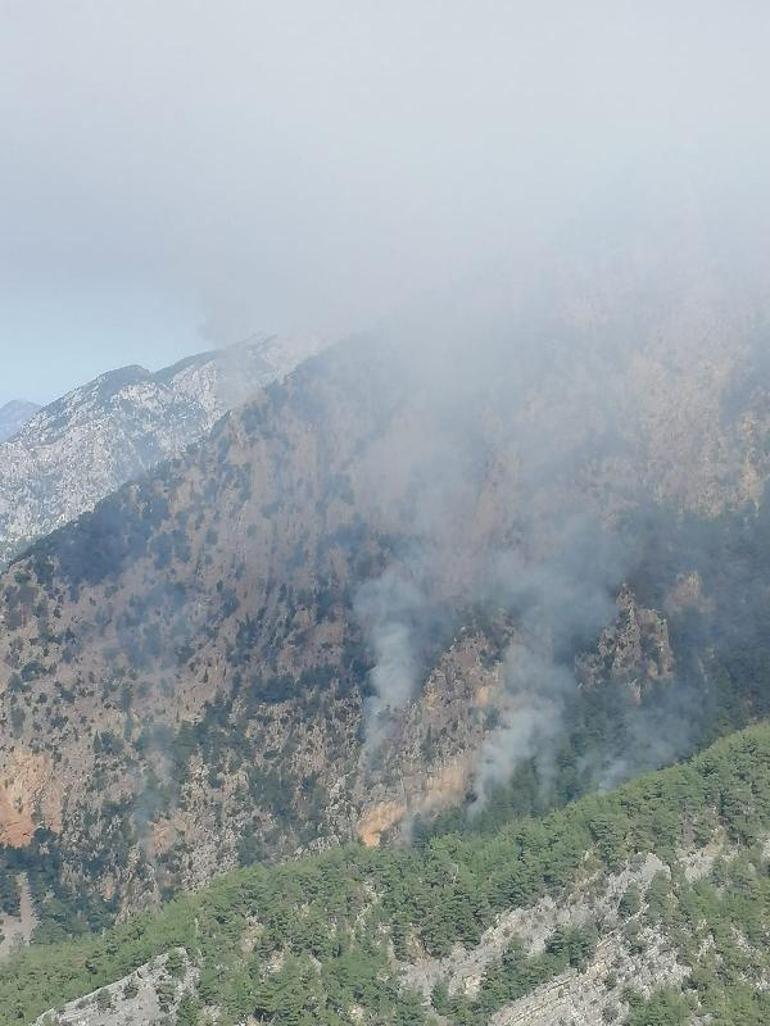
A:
[66,457]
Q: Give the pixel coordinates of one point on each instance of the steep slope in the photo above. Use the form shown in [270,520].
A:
[14,415]
[365,599]
[80,448]
[647,905]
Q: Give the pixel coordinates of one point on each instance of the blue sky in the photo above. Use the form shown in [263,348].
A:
[54,339]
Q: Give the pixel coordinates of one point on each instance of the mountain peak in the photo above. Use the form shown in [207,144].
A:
[76,450]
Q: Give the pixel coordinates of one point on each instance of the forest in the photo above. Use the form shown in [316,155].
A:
[323,939]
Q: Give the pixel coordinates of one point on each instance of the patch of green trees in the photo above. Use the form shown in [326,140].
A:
[316,939]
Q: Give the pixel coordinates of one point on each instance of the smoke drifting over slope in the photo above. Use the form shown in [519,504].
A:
[602,388]
[388,607]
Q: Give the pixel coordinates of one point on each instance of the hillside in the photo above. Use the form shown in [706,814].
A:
[420,676]
[649,905]
[365,600]
[64,458]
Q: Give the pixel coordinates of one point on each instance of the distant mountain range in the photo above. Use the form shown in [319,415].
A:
[59,461]
[14,415]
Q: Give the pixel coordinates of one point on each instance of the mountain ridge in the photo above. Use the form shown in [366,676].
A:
[82,446]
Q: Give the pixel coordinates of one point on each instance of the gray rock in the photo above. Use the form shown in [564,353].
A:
[147,996]
[77,450]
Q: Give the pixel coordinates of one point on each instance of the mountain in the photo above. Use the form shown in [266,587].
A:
[392,587]
[647,905]
[81,447]
[14,415]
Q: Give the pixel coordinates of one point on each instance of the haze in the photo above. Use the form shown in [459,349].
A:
[177,175]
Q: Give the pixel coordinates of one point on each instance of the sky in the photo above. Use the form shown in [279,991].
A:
[178,175]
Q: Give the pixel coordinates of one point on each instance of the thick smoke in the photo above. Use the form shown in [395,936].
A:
[390,608]
[531,719]
[559,605]
[557,581]
[540,429]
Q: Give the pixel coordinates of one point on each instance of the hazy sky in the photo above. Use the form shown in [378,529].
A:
[174,174]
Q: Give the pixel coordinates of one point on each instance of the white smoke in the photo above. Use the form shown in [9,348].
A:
[388,608]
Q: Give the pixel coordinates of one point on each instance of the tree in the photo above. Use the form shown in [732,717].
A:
[188,1013]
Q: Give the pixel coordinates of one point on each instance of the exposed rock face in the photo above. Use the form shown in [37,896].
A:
[29,790]
[463,968]
[80,448]
[426,765]
[633,951]
[634,651]
[581,998]
[630,953]
[149,996]
[14,415]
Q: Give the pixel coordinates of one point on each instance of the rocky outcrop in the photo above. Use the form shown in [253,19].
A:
[30,794]
[427,764]
[83,446]
[634,651]
[586,998]
[150,995]
[595,992]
